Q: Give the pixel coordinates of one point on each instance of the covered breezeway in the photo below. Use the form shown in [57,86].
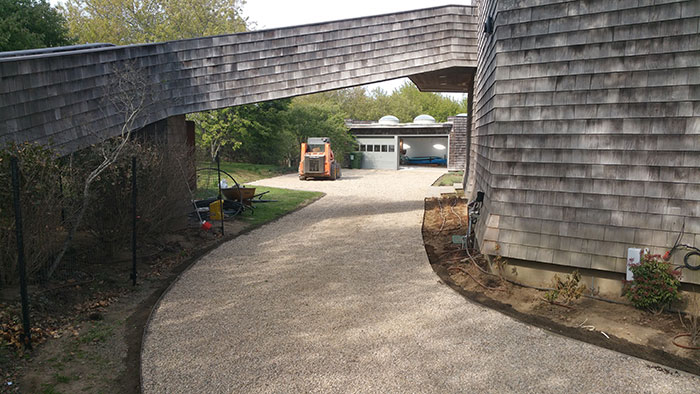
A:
[56,97]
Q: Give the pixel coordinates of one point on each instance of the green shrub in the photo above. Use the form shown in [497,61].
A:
[655,285]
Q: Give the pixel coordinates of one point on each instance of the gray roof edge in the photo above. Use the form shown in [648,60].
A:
[398,126]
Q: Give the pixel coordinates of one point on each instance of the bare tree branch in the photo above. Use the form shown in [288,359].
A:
[129,94]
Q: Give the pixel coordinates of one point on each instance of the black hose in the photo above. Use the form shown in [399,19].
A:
[221,171]
[687,257]
[693,251]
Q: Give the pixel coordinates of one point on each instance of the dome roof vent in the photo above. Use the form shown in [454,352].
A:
[389,119]
[424,119]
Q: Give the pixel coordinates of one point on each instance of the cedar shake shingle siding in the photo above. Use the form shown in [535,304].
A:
[587,129]
[58,98]
[459,139]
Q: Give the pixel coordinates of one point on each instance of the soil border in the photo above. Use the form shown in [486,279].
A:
[614,343]
[135,331]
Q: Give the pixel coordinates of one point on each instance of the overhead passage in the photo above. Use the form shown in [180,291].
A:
[60,98]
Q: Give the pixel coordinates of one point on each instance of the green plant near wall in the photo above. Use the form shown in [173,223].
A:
[655,286]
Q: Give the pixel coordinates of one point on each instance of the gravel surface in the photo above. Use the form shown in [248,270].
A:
[340,297]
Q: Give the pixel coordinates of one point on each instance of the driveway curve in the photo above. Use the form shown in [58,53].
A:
[339,297]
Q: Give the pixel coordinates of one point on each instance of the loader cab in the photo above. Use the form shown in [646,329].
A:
[317,145]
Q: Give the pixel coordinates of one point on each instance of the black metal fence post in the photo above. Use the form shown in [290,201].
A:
[60,191]
[134,217]
[221,201]
[27,335]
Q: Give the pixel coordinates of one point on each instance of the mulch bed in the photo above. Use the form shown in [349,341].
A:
[619,327]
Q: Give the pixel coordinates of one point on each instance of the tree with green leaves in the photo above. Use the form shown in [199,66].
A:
[216,129]
[354,103]
[407,102]
[29,24]
[271,132]
[304,120]
[263,142]
[124,22]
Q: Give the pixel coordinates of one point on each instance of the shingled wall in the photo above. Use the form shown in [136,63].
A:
[459,137]
[58,98]
[587,129]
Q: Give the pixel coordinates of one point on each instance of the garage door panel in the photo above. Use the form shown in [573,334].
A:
[379,153]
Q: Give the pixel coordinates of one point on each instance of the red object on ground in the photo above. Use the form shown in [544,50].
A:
[206,225]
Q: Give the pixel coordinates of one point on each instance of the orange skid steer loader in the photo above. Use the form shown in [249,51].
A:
[317,160]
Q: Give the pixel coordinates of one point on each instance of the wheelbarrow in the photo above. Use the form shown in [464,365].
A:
[239,193]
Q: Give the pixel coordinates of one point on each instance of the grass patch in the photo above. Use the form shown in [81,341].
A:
[97,333]
[449,178]
[48,388]
[61,378]
[242,172]
[246,172]
[287,200]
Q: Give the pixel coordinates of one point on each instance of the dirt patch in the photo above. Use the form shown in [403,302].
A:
[615,326]
[88,332]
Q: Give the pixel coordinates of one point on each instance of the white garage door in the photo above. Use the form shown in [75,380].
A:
[379,153]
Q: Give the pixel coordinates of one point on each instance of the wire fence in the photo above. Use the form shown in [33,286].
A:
[61,246]
[54,263]
[73,271]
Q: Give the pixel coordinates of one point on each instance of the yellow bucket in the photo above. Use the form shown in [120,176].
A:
[215,210]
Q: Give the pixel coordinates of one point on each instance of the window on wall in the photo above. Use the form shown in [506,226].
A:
[377,148]
[384,148]
[369,148]
[391,148]
[362,148]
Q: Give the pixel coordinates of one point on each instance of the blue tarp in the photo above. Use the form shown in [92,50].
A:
[425,160]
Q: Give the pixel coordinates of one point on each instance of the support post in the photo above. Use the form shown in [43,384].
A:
[26,337]
[134,218]
[221,201]
[60,191]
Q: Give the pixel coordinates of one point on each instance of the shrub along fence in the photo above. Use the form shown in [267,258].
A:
[139,197]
